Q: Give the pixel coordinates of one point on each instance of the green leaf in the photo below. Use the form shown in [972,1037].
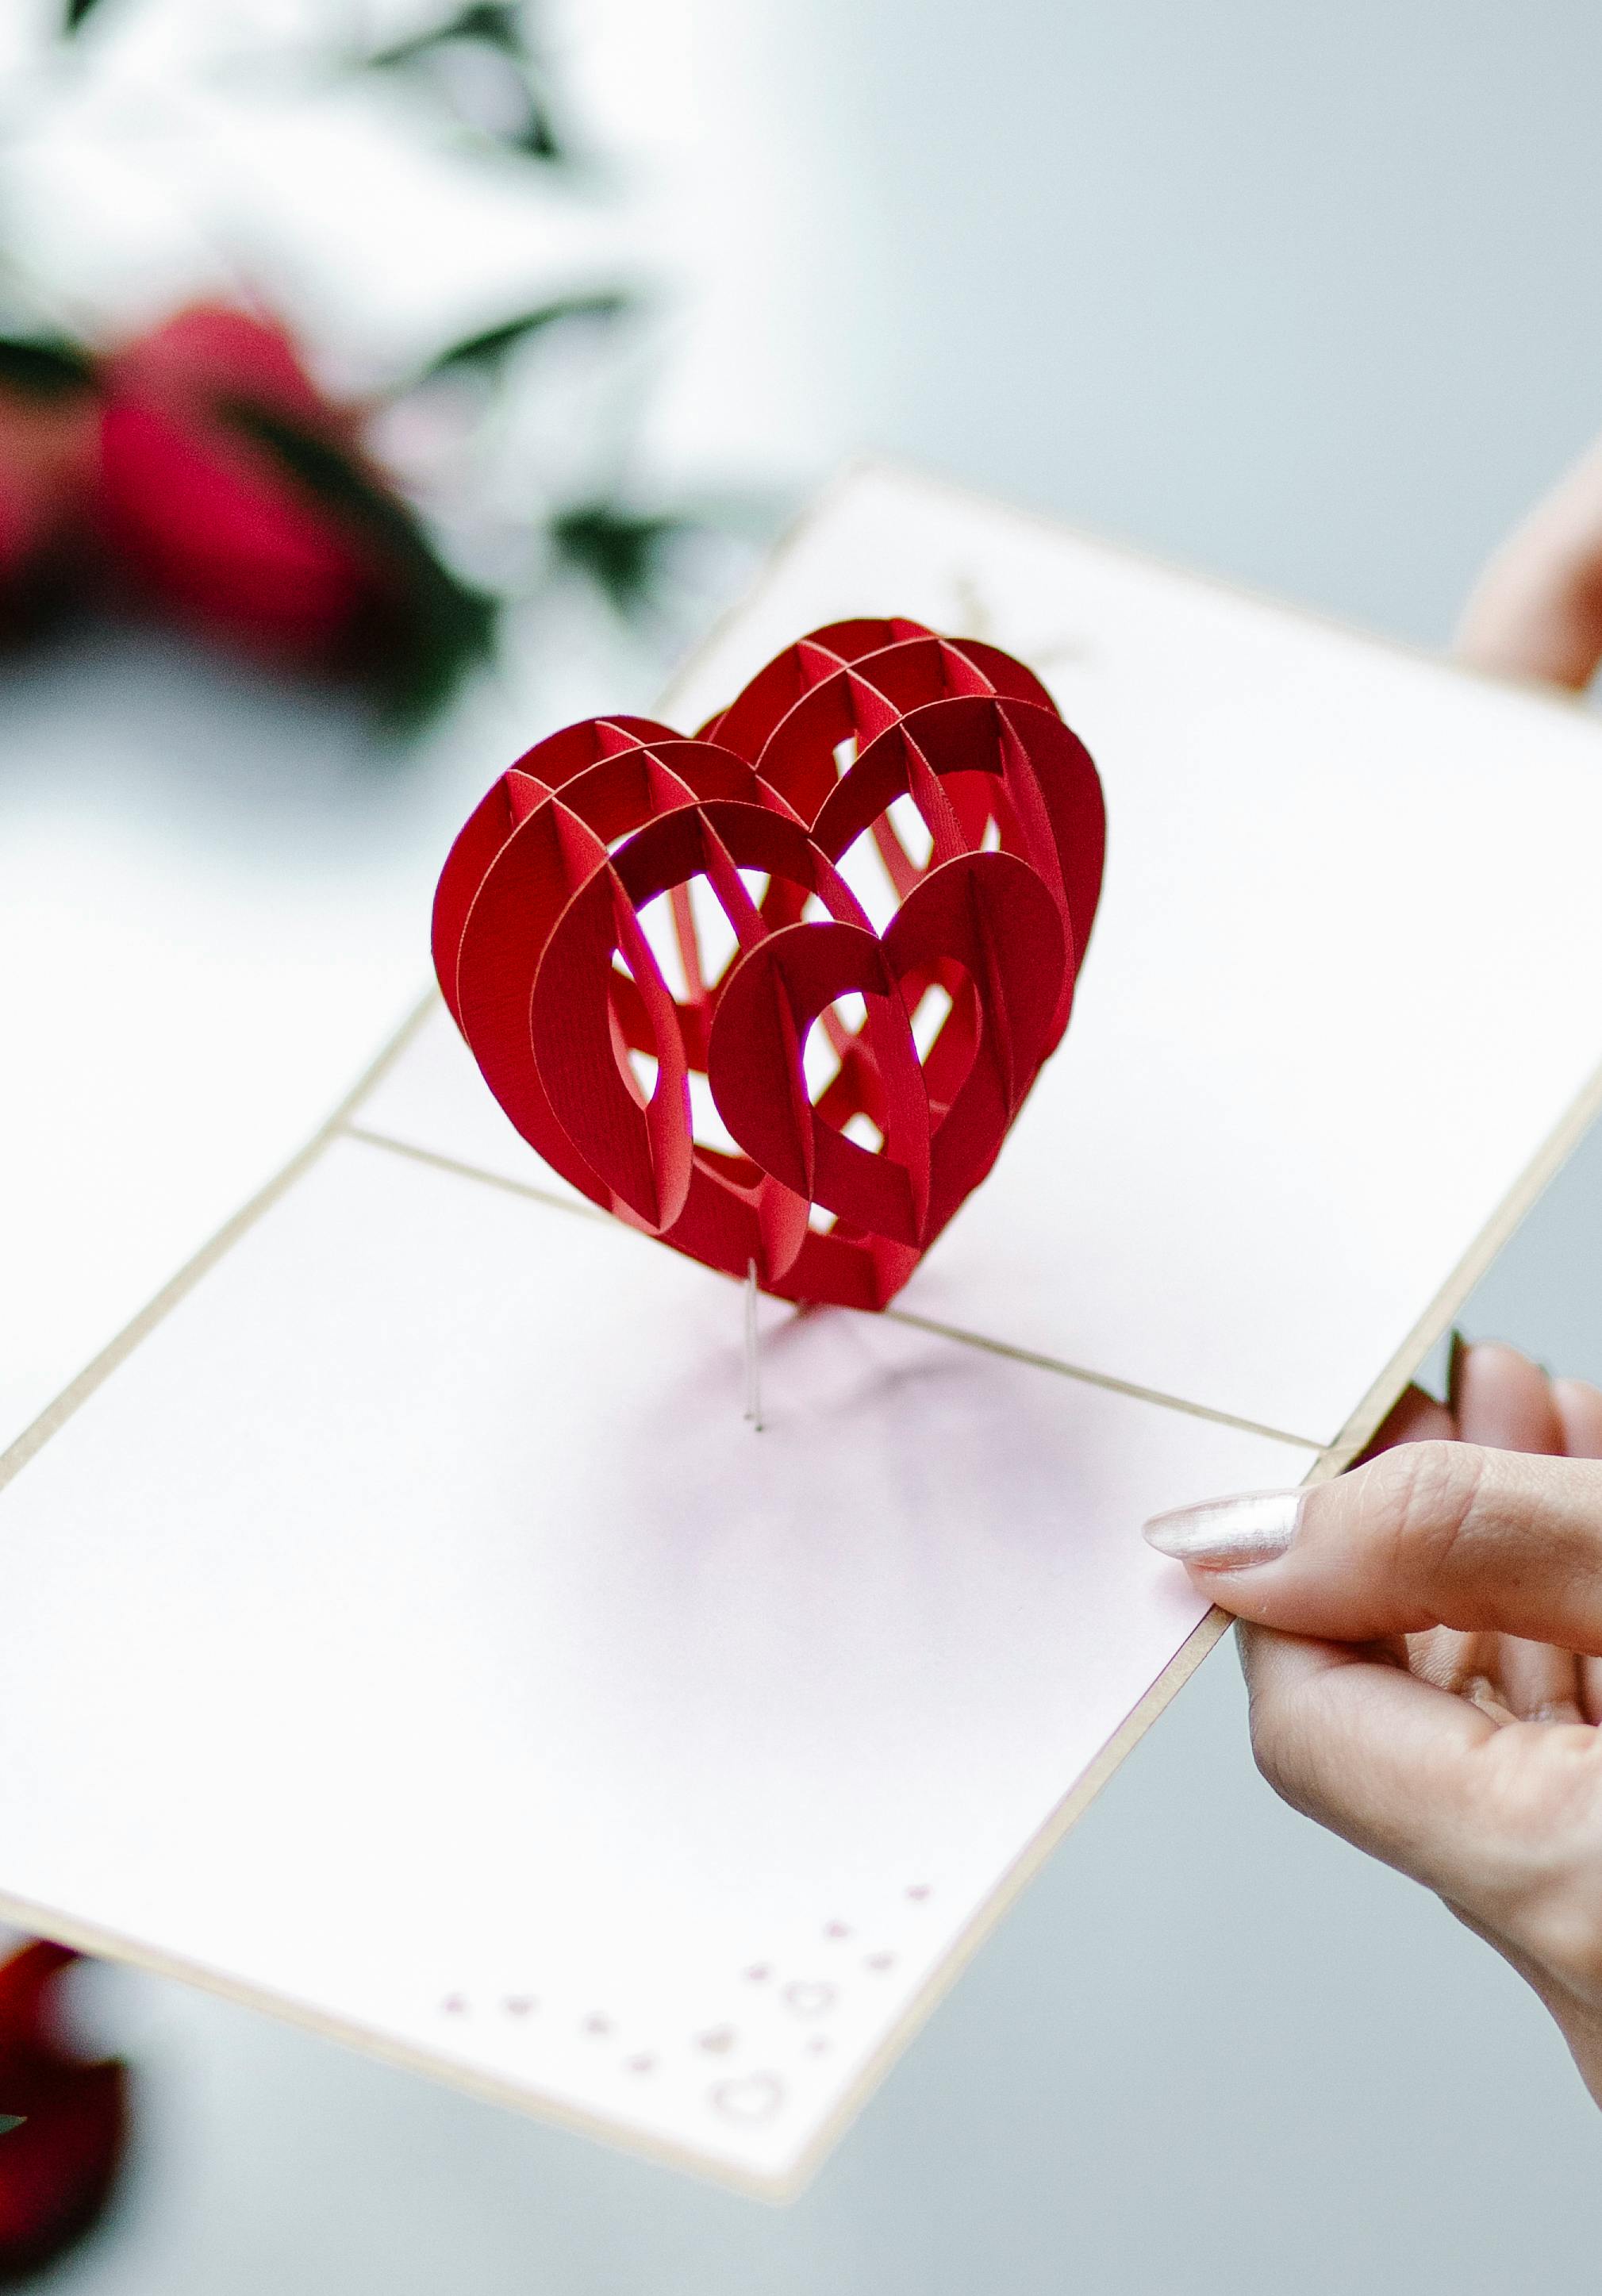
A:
[497,25]
[492,24]
[620,550]
[44,366]
[487,348]
[431,626]
[10,2120]
[537,135]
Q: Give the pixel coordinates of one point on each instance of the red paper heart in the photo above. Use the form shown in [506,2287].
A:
[554,980]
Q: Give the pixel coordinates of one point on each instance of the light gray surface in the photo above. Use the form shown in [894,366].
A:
[1307,296]
[1302,294]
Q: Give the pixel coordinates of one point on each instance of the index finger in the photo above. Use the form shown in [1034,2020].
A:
[1428,1535]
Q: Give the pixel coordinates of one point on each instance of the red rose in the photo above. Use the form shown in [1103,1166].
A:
[234,495]
[58,2169]
[201,517]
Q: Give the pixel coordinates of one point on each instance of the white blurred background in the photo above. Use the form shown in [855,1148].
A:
[1301,295]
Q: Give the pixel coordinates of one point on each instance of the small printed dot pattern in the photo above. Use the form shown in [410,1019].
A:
[751,2098]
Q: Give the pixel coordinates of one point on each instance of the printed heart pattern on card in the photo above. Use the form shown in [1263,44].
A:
[776,993]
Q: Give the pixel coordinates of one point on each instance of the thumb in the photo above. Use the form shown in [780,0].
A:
[1428,1535]
[1537,609]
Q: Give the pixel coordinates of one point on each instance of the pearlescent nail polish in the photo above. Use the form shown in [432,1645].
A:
[1229,1534]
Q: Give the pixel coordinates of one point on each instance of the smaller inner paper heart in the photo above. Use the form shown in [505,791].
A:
[776,993]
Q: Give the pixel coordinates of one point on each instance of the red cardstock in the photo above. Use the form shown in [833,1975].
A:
[552,979]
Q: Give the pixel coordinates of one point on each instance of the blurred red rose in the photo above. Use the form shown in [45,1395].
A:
[201,519]
[58,2169]
[234,495]
[49,439]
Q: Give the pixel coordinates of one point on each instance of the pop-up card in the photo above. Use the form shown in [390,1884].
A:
[606,1579]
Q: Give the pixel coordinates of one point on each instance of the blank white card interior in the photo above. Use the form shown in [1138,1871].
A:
[1249,1169]
[466,1672]
[412,1634]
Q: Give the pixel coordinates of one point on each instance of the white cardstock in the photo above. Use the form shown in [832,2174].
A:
[406,1629]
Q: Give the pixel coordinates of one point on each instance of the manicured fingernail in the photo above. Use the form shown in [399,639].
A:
[1229,1534]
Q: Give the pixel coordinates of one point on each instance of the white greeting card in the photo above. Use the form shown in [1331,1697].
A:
[405,1628]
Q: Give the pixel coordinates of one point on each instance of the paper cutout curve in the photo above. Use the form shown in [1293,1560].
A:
[552,979]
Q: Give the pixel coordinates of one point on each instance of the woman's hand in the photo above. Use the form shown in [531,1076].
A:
[1424,1661]
[1537,609]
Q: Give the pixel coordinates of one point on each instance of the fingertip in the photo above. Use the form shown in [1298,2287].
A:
[1504,1401]
[1486,1361]
[1579,1408]
[1262,1597]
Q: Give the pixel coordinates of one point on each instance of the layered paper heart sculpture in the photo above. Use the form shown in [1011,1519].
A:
[818,1103]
